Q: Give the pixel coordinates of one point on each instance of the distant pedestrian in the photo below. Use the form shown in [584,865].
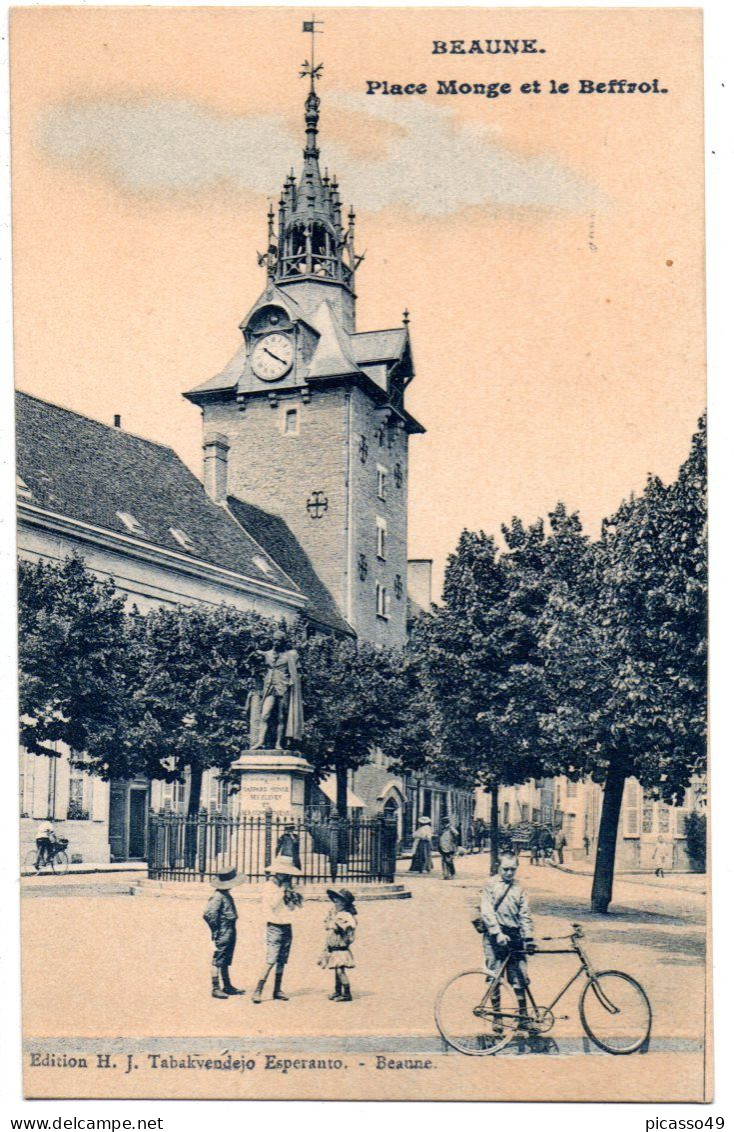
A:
[221,917]
[422,861]
[289,845]
[479,834]
[587,844]
[45,841]
[448,843]
[535,844]
[559,843]
[280,900]
[341,928]
[661,856]
[545,841]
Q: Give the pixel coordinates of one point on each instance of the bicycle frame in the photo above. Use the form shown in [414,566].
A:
[586,968]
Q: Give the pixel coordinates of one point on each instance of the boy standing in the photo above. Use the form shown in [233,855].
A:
[508,929]
[221,916]
[279,903]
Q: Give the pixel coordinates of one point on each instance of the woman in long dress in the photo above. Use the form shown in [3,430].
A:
[422,861]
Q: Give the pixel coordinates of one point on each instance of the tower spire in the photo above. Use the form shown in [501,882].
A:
[312,71]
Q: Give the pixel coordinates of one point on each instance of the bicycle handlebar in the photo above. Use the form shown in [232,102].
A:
[577,933]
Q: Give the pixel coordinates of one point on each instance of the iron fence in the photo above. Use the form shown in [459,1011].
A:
[328,849]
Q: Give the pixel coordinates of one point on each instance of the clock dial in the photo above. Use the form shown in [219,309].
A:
[272,357]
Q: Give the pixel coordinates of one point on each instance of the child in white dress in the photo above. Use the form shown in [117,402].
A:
[341,928]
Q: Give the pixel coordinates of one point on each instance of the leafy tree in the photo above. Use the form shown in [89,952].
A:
[190,712]
[356,699]
[484,654]
[73,663]
[636,663]
[695,827]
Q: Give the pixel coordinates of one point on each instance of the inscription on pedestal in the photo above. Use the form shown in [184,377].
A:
[262,792]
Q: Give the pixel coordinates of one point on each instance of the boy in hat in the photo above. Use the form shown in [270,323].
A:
[279,903]
[221,916]
[341,928]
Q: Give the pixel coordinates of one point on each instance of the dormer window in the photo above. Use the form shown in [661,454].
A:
[182,538]
[263,565]
[130,523]
[22,489]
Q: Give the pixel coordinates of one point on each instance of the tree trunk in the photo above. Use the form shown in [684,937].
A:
[341,793]
[601,891]
[196,774]
[494,831]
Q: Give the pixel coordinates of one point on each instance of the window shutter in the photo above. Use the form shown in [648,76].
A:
[100,799]
[61,772]
[40,787]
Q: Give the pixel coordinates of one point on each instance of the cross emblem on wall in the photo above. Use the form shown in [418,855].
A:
[363,449]
[318,504]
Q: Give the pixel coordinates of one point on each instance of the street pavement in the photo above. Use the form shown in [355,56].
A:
[121,968]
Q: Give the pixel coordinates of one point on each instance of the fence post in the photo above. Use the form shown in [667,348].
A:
[151,843]
[389,834]
[268,837]
[201,843]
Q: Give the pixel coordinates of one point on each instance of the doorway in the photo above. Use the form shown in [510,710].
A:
[138,831]
[128,828]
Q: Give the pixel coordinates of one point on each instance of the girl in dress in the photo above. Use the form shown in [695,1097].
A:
[341,928]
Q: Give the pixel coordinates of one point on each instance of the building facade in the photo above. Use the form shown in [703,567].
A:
[649,830]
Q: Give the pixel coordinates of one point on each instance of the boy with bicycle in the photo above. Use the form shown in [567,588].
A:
[507,930]
[45,843]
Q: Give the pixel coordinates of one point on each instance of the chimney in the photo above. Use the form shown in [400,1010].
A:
[419,581]
[216,449]
[118,420]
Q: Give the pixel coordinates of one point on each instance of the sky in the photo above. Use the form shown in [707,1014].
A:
[549,247]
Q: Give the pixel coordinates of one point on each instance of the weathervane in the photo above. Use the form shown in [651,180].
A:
[312,70]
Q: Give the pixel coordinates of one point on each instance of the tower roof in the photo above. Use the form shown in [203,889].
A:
[311,241]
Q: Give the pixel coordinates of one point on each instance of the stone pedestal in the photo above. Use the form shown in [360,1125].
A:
[272,780]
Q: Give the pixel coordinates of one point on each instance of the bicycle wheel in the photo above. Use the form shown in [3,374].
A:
[29,861]
[615,1012]
[60,863]
[475,1015]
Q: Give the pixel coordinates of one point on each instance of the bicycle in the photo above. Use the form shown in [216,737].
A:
[478,1014]
[56,858]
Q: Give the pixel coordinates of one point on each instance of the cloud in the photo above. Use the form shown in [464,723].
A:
[427,160]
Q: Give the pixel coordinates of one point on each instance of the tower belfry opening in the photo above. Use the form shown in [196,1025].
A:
[311,241]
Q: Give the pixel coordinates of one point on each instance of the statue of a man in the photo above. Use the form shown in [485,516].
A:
[281,695]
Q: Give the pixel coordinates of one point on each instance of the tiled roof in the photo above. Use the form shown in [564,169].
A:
[275,535]
[85,470]
[371,346]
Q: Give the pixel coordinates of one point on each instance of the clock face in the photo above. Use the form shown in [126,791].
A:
[272,357]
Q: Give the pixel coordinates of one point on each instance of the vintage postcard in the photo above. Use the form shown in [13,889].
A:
[361,495]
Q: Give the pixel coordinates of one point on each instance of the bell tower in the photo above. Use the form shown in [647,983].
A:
[312,411]
[312,245]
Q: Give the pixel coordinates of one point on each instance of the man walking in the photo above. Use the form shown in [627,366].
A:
[546,844]
[559,843]
[448,842]
[534,844]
